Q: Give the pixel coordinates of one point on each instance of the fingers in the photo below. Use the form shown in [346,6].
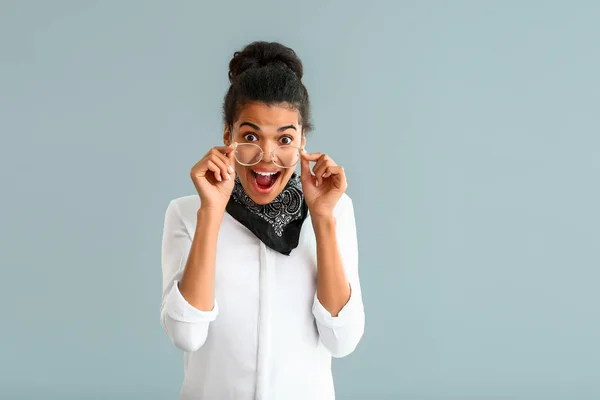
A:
[304,166]
[324,168]
[231,157]
[306,159]
[223,149]
[216,163]
[311,156]
[332,170]
[321,168]
[336,173]
[226,154]
[215,169]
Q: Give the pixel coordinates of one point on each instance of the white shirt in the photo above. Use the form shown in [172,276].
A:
[268,336]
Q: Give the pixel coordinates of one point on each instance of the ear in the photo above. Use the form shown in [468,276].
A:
[303,140]
[226,135]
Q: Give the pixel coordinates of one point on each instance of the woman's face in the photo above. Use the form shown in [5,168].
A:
[269,127]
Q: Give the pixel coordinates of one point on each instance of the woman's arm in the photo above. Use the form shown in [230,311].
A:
[188,266]
[197,285]
[333,288]
[338,306]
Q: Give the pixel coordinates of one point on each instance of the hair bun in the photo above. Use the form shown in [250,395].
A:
[259,54]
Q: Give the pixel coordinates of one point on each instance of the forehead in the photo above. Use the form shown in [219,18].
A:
[268,117]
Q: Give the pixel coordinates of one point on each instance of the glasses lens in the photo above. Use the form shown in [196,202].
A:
[286,156]
[248,154]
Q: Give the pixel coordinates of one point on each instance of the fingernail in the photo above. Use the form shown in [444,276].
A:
[317,183]
[228,176]
[231,169]
[219,178]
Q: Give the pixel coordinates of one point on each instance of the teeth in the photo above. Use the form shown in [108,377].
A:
[265,173]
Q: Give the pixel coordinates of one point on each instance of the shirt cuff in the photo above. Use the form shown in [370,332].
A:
[179,309]
[346,315]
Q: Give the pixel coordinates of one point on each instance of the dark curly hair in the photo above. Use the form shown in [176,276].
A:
[269,73]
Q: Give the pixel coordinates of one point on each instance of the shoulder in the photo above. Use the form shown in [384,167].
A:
[186,207]
[345,200]
[344,205]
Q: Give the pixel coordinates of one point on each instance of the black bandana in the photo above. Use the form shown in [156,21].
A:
[276,224]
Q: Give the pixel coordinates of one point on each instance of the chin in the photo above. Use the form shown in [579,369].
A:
[263,184]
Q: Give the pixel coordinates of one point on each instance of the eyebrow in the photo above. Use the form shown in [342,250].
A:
[256,127]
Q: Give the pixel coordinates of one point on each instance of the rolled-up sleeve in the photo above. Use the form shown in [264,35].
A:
[185,325]
[342,333]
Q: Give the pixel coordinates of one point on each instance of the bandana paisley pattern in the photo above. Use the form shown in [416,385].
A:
[285,208]
[277,224]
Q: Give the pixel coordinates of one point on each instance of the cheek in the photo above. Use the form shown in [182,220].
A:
[240,170]
[287,175]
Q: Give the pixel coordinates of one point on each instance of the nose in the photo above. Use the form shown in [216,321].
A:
[268,153]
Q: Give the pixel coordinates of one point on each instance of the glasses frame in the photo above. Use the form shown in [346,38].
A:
[262,154]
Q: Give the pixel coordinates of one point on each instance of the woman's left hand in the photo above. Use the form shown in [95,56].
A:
[323,189]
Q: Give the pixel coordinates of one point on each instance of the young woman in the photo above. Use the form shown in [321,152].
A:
[260,269]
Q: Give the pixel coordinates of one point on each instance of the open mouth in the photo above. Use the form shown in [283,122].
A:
[264,181]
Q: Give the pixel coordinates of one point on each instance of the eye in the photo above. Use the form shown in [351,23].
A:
[286,140]
[250,137]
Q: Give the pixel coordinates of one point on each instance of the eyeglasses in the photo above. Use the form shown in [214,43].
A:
[284,156]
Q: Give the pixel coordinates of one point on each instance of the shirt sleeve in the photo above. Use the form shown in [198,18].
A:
[342,333]
[185,325]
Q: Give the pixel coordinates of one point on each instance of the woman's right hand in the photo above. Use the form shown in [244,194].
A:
[213,177]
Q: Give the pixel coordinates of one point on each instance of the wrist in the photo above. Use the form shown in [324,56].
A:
[325,222]
[209,214]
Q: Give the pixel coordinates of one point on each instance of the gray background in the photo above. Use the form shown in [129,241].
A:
[470,134]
